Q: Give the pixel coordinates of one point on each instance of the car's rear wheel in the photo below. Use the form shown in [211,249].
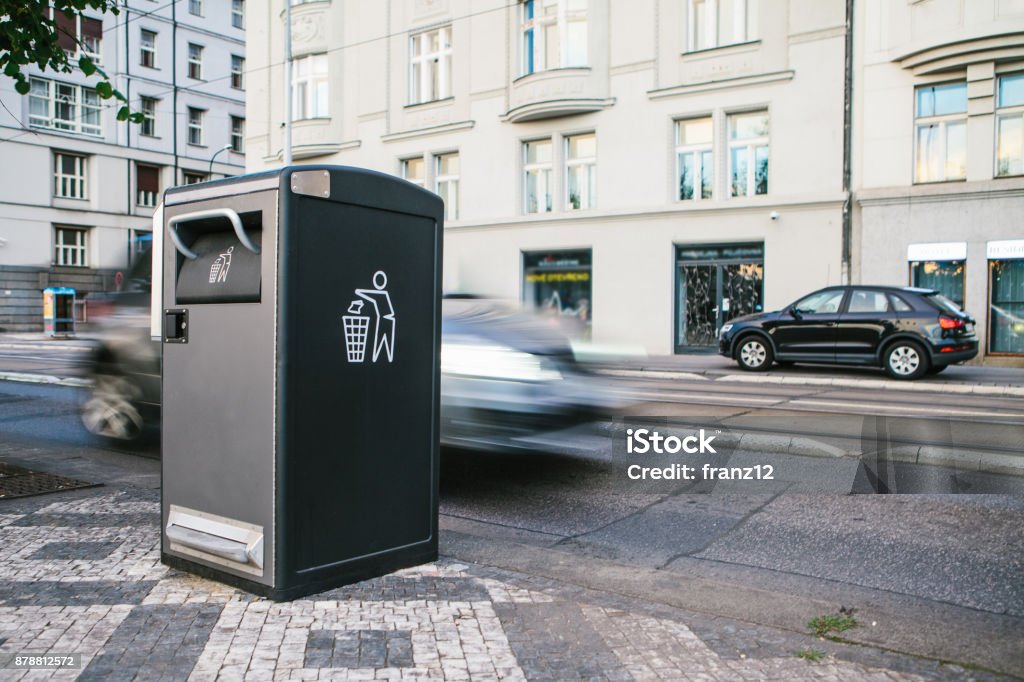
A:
[110,411]
[905,360]
[754,354]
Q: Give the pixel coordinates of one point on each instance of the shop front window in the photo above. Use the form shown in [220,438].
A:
[559,284]
[946,277]
[1006,307]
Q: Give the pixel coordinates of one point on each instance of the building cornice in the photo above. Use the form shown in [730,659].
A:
[1000,188]
[430,130]
[680,210]
[738,82]
[960,53]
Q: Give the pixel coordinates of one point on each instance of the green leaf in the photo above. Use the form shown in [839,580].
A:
[137,117]
[11,69]
[86,65]
[123,113]
[22,87]
[104,90]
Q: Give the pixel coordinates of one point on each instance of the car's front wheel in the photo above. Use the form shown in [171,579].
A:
[754,354]
[905,360]
[110,411]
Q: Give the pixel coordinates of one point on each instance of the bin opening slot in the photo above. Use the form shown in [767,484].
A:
[209,536]
[224,270]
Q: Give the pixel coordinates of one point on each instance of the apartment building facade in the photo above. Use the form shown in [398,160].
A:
[78,188]
[938,161]
[650,168]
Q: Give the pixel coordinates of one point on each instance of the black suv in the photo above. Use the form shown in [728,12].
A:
[908,331]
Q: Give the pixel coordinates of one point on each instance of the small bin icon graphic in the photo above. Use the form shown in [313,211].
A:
[357,328]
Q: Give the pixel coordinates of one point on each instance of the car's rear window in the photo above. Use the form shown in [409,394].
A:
[943,303]
[900,305]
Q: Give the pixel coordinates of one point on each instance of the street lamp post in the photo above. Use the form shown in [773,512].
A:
[215,154]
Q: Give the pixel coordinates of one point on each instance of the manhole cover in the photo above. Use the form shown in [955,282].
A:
[19,482]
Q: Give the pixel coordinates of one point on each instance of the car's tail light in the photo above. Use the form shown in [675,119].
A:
[951,322]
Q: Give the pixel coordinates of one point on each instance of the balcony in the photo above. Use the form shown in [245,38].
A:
[556,93]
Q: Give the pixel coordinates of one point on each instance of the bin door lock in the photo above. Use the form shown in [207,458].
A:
[175,326]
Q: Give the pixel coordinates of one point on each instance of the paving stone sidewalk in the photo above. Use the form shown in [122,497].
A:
[80,573]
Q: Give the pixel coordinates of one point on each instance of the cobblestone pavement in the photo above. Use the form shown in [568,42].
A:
[81,573]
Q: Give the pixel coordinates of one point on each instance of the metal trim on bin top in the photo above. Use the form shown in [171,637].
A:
[228,187]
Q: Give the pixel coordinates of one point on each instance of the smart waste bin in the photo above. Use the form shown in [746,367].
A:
[301,346]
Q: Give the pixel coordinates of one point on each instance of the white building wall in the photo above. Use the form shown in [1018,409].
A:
[644,78]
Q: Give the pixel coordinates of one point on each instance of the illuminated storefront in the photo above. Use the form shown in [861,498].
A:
[559,283]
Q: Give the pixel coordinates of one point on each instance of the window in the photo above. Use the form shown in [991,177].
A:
[1006,307]
[868,302]
[537,176]
[70,246]
[309,87]
[1010,117]
[554,34]
[238,134]
[195,126]
[195,61]
[430,76]
[694,165]
[412,170]
[748,153]
[821,303]
[714,23]
[581,171]
[78,36]
[63,106]
[69,176]
[941,133]
[237,72]
[446,177]
[559,283]
[195,7]
[193,178]
[147,185]
[238,13]
[147,106]
[947,277]
[147,48]
[900,305]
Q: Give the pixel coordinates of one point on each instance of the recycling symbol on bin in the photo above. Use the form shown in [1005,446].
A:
[361,317]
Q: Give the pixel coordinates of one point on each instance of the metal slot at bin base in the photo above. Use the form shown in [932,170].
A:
[216,540]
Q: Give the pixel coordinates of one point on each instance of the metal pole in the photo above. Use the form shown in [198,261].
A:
[288,82]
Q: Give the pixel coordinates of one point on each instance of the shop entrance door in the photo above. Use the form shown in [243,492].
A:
[714,284]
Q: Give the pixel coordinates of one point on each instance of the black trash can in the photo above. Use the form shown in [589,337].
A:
[302,330]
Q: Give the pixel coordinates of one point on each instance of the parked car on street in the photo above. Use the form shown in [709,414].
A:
[907,331]
[509,379]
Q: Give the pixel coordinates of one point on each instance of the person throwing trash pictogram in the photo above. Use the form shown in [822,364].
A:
[384,327]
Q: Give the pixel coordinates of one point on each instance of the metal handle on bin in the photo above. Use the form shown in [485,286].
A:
[236,222]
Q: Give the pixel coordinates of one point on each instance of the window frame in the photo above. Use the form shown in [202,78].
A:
[751,144]
[589,162]
[148,116]
[147,50]
[79,178]
[238,75]
[698,149]
[448,180]
[422,64]
[194,61]
[75,124]
[533,40]
[1008,112]
[197,177]
[538,168]
[404,163]
[943,121]
[195,123]
[238,14]
[81,48]
[195,8]
[309,83]
[146,199]
[237,132]
[62,249]
[744,23]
